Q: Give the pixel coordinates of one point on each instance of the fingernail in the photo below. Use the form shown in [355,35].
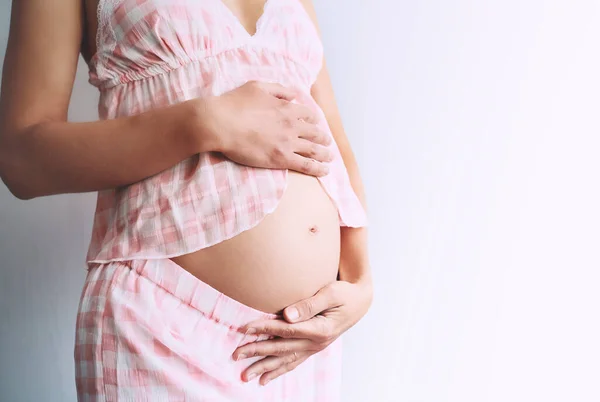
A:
[251,376]
[241,356]
[292,313]
[250,331]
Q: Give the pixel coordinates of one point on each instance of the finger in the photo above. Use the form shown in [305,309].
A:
[314,151]
[272,347]
[278,91]
[325,298]
[308,166]
[319,329]
[312,133]
[268,364]
[271,375]
[303,113]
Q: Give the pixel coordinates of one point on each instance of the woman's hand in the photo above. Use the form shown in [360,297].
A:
[311,326]
[258,125]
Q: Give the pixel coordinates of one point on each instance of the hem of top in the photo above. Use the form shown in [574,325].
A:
[159,69]
[362,223]
[194,249]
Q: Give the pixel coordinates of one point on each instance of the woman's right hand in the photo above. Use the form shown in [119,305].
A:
[258,125]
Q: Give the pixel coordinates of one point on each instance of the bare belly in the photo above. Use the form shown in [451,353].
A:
[287,257]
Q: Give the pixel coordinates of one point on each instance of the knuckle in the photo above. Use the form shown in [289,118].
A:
[288,122]
[297,362]
[307,165]
[288,332]
[323,137]
[270,366]
[277,153]
[261,368]
[323,340]
[315,132]
[309,308]
[310,134]
[329,335]
[290,359]
[318,169]
[326,333]
[320,338]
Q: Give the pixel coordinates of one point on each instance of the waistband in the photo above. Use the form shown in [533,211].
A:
[217,306]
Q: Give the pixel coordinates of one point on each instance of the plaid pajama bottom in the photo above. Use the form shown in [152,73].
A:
[147,330]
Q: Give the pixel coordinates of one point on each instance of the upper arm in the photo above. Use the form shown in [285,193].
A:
[40,63]
[322,92]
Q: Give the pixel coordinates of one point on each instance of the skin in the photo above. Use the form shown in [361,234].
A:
[41,153]
[321,319]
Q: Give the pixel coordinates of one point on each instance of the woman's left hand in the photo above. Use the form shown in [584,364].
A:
[309,327]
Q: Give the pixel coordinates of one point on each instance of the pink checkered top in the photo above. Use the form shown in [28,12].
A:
[154,53]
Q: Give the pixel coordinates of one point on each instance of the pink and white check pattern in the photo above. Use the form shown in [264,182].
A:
[147,330]
[154,53]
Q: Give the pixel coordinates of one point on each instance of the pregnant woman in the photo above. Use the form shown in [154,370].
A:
[228,251]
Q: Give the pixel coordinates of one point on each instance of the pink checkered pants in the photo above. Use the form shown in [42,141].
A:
[147,330]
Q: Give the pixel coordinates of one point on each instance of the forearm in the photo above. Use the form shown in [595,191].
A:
[354,259]
[60,157]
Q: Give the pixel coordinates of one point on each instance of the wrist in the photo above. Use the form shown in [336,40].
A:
[365,292]
[201,129]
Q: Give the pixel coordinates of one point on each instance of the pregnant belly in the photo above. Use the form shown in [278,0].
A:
[288,256]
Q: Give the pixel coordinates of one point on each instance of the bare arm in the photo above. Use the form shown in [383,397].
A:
[40,152]
[43,154]
[354,264]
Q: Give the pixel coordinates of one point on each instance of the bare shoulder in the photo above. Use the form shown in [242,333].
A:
[310,9]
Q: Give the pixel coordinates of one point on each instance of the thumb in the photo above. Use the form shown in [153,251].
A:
[279,91]
[308,308]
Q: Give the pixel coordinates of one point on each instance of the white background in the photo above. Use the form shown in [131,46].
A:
[476,127]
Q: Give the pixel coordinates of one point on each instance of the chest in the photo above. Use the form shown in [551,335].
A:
[248,12]
[134,36]
[280,23]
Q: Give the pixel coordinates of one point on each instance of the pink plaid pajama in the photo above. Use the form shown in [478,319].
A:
[147,330]
[157,53]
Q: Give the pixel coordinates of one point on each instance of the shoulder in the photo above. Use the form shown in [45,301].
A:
[310,10]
